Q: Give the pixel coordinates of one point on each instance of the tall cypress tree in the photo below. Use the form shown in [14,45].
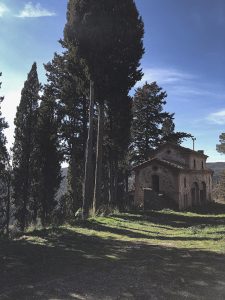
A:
[108,36]
[4,175]
[23,148]
[47,157]
[119,116]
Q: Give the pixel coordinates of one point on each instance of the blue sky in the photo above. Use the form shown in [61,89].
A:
[184,52]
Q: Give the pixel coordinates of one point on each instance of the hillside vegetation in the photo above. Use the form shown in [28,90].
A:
[156,255]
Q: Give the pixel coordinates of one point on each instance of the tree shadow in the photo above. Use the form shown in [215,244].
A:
[175,220]
[127,232]
[69,265]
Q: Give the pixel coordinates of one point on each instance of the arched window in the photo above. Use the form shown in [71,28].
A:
[185,182]
[194,164]
[202,165]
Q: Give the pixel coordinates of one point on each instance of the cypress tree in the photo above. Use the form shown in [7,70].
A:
[4,175]
[47,157]
[119,116]
[108,36]
[23,148]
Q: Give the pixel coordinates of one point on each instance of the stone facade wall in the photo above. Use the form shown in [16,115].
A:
[185,193]
[196,162]
[168,182]
[172,154]
[189,186]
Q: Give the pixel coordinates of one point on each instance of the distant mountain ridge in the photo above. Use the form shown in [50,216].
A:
[217,167]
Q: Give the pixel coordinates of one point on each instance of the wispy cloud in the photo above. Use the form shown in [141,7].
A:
[196,91]
[3,9]
[165,76]
[217,117]
[180,84]
[35,11]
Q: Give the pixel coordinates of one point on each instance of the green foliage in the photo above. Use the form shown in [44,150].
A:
[69,87]
[47,157]
[168,132]
[108,35]
[151,124]
[23,150]
[221,146]
[4,174]
[148,117]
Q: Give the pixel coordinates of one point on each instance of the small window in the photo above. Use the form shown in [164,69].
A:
[168,151]
[194,163]
[185,182]
[202,165]
[155,168]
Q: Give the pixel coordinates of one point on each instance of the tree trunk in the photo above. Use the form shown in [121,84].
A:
[112,173]
[116,200]
[73,180]
[8,205]
[88,158]
[98,169]
[111,182]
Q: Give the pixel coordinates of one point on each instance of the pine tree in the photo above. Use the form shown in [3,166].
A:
[151,125]
[108,36]
[168,133]
[221,146]
[4,175]
[47,157]
[148,117]
[23,148]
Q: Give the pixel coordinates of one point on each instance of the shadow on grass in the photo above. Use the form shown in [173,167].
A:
[128,232]
[175,220]
[75,266]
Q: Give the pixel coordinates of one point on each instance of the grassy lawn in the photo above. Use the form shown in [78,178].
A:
[156,255]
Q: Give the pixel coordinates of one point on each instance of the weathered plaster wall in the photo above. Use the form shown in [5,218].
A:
[185,196]
[199,162]
[168,182]
[172,154]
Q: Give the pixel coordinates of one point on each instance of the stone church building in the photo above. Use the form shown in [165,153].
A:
[176,174]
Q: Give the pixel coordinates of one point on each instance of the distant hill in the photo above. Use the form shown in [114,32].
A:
[217,167]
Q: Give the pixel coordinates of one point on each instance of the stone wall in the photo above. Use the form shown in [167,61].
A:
[196,162]
[172,154]
[168,182]
[185,195]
